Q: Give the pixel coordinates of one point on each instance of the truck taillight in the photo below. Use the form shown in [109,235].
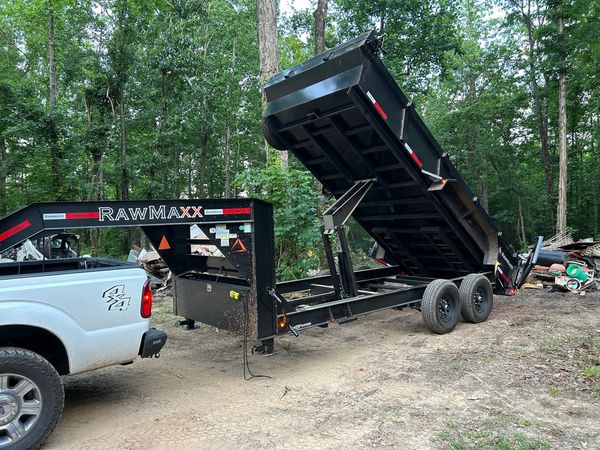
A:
[146,309]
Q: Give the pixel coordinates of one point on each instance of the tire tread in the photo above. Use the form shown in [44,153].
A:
[35,362]
[468,311]
[428,305]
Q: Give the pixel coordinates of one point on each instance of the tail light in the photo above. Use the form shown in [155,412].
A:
[146,309]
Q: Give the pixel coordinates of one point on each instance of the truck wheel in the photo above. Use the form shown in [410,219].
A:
[31,399]
[477,298]
[440,306]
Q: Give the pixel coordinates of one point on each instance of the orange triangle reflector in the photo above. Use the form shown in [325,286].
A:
[164,244]
[240,245]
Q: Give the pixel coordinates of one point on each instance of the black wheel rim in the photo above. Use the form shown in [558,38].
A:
[479,300]
[446,309]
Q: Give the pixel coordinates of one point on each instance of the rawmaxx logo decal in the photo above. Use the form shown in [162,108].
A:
[106,213]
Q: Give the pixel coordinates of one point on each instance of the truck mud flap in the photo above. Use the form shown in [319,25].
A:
[152,342]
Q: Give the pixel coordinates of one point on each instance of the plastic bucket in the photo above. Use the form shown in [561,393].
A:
[575,271]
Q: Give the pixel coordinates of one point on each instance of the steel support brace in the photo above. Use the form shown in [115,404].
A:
[338,213]
[345,262]
[333,222]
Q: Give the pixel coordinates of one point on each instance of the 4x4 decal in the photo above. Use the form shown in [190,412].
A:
[116,298]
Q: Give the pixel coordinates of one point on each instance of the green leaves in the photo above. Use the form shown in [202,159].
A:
[295,203]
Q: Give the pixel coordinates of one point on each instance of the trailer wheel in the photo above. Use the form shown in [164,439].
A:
[477,298]
[440,306]
[31,399]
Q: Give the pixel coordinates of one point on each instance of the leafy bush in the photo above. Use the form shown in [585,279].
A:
[295,201]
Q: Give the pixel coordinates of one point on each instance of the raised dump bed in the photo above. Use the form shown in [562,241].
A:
[345,118]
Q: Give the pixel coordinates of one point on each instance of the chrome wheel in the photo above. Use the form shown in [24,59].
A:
[20,407]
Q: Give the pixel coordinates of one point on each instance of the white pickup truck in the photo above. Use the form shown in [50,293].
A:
[62,317]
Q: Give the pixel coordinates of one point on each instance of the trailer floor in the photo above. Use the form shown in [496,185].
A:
[529,377]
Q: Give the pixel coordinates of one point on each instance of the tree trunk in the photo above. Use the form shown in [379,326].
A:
[320,16]
[55,154]
[521,222]
[51,62]
[562,132]
[540,107]
[484,183]
[3,208]
[268,52]
[123,154]
[129,237]
[202,175]
[228,120]
[227,158]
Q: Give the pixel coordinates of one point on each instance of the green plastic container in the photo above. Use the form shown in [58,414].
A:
[575,271]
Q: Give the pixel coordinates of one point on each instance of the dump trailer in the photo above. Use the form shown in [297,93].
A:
[345,118]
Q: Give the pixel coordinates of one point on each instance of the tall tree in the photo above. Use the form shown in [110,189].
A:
[532,15]
[562,123]
[320,16]
[57,160]
[268,51]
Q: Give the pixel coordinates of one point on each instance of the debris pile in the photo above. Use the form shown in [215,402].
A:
[160,276]
[565,265]
[158,272]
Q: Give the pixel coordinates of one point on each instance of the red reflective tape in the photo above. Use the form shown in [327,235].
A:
[83,215]
[416,158]
[14,230]
[380,110]
[231,211]
[505,277]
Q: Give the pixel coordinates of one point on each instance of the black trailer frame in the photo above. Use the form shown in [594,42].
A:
[238,291]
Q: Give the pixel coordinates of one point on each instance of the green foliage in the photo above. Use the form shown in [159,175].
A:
[185,75]
[295,202]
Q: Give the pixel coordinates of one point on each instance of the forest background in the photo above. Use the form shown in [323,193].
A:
[149,99]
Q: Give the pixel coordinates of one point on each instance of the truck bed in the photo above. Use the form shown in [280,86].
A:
[345,118]
[59,265]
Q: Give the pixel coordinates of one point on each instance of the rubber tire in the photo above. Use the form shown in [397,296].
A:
[31,365]
[429,306]
[470,284]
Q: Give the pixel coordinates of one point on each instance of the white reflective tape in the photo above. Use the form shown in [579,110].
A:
[371,97]
[410,150]
[432,175]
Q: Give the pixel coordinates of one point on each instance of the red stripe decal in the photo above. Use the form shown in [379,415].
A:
[505,277]
[231,211]
[14,230]
[83,215]
[380,110]
[416,158]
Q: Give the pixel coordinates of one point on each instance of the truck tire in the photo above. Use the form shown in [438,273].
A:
[440,306]
[477,298]
[31,399]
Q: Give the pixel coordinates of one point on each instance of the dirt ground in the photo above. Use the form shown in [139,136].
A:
[527,378]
